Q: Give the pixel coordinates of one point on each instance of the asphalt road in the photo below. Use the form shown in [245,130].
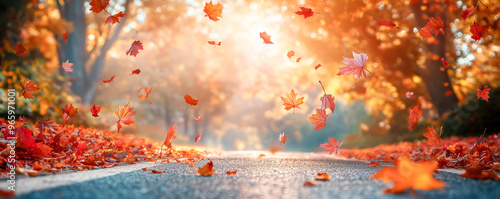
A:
[269,177]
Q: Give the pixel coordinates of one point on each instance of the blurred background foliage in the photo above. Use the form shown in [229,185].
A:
[239,83]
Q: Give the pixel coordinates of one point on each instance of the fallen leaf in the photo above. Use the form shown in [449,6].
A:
[354,66]
[306,12]
[191,165]
[291,101]
[114,18]
[68,67]
[468,12]
[261,156]
[19,49]
[282,137]
[213,12]
[134,48]
[322,176]
[331,146]
[387,24]
[109,80]
[434,138]
[290,54]
[68,113]
[408,174]
[206,170]
[167,141]
[231,172]
[478,172]
[136,71]
[47,124]
[310,183]
[319,119]
[144,93]
[95,110]
[415,115]
[157,171]
[98,6]
[124,115]
[266,38]
[478,31]
[483,93]
[28,88]
[26,136]
[373,164]
[144,169]
[197,138]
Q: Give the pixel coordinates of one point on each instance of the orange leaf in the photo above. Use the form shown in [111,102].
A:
[483,93]
[290,54]
[134,48]
[206,170]
[95,110]
[298,59]
[373,164]
[98,6]
[310,183]
[282,137]
[67,67]
[291,101]
[415,115]
[478,172]
[144,93]
[266,38]
[124,115]
[114,18]
[434,26]
[213,12]
[167,141]
[46,124]
[136,71]
[198,118]
[68,112]
[387,24]
[331,146]
[231,172]
[261,156]
[197,138]
[157,171]
[319,119]
[28,87]
[109,80]
[424,33]
[408,174]
[306,12]
[213,43]
[433,137]
[322,176]
[190,100]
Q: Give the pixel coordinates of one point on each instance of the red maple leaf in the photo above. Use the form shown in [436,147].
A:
[266,38]
[28,88]
[291,101]
[68,67]
[317,66]
[476,171]
[434,138]
[331,146]
[415,115]
[213,12]
[435,26]
[387,24]
[424,33]
[198,118]
[68,113]
[306,12]
[124,115]
[95,110]
[298,59]
[445,63]
[197,138]
[354,66]
[109,80]
[46,124]
[26,136]
[206,170]
[136,71]
[319,119]
[191,101]
[290,54]
[65,35]
[483,93]
[213,43]
[448,93]
[167,141]
[19,49]
[478,31]
[327,102]
[468,12]
[134,48]
[114,18]
[282,137]
[98,6]
[144,93]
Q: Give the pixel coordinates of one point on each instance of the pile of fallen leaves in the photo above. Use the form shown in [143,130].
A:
[47,147]
[453,152]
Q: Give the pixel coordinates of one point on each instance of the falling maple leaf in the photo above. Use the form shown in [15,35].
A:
[310,183]
[434,26]
[478,31]
[213,12]
[468,12]
[476,171]
[167,141]
[28,88]
[144,93]
[322,176]
[124,115]
[65,35]
[424,33]
[114,18]
[98,6]
[408,174]
[68,113]
[409,94]
[306,12]
[198,118]
[290,54]
[354,66]
[19,49]
[373,164]
[291,101]
[282,137]
[327,102]
[134,48]
[319,119]
[387,24]
[483,93]
[298,59]
[266,38]
[206,170]
[95,110]
[231,172]
[445,63]
[317,66]
[109,80]
[197,138]
[136,72]
[213,43]
[47,124]
[189,100]
[331,146]
[434,138]
[67,67]
[415,115]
